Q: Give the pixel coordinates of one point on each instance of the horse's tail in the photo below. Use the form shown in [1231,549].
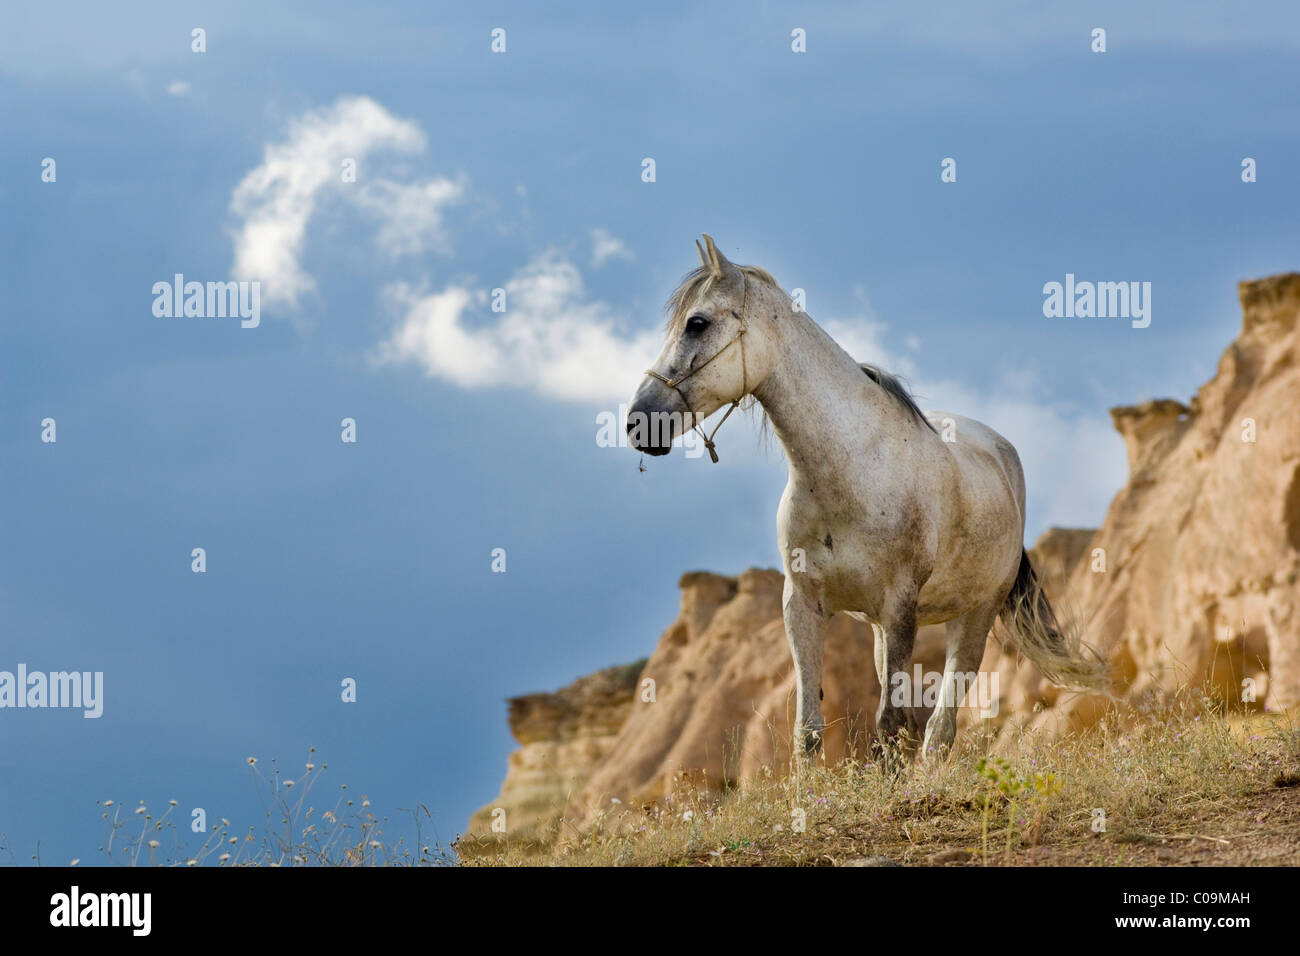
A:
[1058,653]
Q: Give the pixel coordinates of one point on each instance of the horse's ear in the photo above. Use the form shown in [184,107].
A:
[716,260]
[704,260]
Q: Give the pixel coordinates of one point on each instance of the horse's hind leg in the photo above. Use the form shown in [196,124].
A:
[895,722]
[967,636]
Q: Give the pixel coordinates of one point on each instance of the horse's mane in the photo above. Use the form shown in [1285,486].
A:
[698,281]
[898,391]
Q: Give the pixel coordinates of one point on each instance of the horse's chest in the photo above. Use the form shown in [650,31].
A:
[845,565]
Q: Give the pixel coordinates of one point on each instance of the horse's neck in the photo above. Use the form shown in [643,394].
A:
[821,404]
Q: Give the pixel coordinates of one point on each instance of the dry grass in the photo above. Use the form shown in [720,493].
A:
[1161,782]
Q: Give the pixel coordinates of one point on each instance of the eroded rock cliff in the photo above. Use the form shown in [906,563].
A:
[1192,578]
[562,738]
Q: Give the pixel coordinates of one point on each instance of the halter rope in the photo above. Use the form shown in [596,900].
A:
[673,383]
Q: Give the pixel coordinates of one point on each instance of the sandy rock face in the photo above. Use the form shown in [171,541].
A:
[719,708]
[563,736]
[1191,578]
[724,695]
[1195,578]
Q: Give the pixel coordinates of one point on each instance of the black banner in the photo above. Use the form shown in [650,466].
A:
[172,904]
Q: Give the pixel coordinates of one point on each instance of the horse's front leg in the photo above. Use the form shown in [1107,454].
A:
[896,735]
[805,626]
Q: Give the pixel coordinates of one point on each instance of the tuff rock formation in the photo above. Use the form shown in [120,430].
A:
[1191,580]
[563,737]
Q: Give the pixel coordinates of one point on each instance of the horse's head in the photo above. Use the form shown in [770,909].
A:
[714,354]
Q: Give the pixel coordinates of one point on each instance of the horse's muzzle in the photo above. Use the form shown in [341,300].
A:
[655,417]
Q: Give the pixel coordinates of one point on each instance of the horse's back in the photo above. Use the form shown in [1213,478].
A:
[982,454]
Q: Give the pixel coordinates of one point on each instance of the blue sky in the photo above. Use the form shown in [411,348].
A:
[476,429]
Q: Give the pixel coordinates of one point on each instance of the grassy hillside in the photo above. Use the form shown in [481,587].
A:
[1184,785]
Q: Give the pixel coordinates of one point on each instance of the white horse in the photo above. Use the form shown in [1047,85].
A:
[882,517]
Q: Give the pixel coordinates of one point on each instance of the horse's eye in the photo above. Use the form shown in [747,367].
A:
[696,324]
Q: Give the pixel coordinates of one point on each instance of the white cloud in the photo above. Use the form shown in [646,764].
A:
[411,214]
[178,88]
[275,201]
[552,339]
[605,247]
[863,339]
